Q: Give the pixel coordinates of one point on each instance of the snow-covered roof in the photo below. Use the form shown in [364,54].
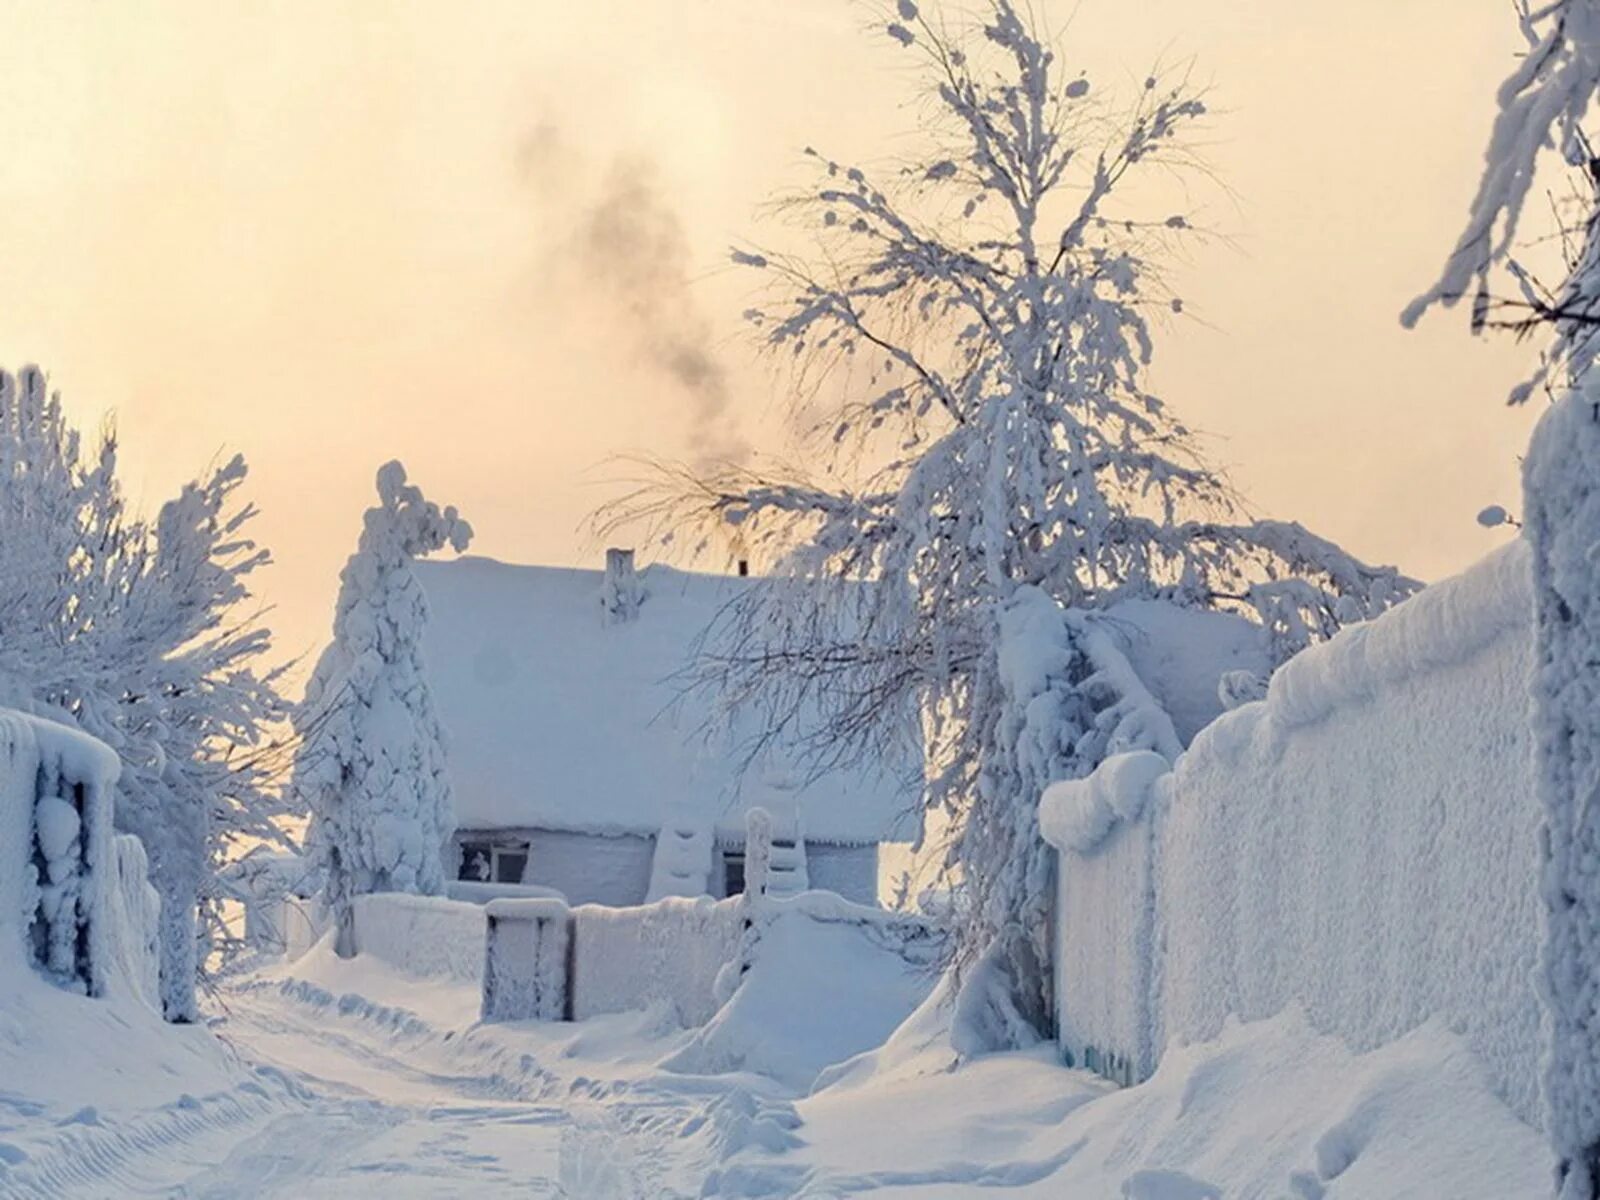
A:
[557,720]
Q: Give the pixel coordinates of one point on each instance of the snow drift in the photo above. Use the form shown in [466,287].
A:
[1362,844]
[824,981]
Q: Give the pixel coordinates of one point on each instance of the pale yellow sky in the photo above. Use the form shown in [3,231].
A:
[327,234]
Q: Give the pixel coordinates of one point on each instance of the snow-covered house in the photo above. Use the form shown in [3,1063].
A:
[575,753]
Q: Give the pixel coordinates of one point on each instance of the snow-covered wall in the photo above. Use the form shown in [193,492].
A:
[58,865]
[669,951]
[425,936]
[1362,845]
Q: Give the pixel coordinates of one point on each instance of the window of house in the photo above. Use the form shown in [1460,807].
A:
[732,873]
[477,862]
[510,862]
[493,862]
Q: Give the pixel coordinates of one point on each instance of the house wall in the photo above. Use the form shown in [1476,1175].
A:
[615,869]
[586,868]
[851,871]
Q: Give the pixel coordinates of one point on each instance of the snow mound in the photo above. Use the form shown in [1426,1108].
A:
[826,981]
[1266,1110]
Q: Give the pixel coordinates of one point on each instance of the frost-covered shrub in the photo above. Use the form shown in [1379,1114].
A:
[371,766]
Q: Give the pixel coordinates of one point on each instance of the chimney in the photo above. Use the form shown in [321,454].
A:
[744,567]
[620,594]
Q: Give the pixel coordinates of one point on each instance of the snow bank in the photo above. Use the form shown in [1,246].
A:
[423,936]
[669,952]
[1362,844]
[825,980]
[1267,1111]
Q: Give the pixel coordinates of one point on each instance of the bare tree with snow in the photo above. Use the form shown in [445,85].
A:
[1543,106]
[972,335]
[140,633]
[371,762]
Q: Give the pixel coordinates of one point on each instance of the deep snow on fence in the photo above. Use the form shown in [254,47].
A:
[425,936]
[667,952]
[58,857]
[1363,845]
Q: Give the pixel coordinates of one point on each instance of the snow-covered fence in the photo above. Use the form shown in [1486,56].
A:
[425,936]
[1104,960]
[302,922]
[1363,845]
[667,952]
[58,860]
[526,960]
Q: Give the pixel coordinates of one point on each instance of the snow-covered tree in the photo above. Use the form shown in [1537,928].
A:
[371,762]
[138,632]
[1543,106]
[972,334]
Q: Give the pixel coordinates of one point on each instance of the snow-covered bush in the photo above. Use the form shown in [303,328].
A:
[135,630]
[371,765]
[972,337]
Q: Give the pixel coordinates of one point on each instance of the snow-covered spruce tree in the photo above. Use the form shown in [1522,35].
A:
[1543,105]
[371,762]
[972,335]
[137,632]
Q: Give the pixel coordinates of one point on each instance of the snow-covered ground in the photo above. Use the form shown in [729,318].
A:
[331,1078]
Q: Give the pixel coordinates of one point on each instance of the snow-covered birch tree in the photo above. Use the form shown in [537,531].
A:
[371,762]
[972,332]
[141,633]
[1542,107]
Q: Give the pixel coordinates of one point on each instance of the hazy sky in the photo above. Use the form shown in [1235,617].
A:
[327,234]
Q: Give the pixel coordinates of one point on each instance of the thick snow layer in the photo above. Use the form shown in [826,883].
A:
[427,937]
[559,720]
[826,980]
[1077,814]
[1267,1111]
[474,892]
[1362,844]
[668,953]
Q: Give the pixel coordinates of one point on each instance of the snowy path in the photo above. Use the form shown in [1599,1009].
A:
[414,1115]
[345,1097]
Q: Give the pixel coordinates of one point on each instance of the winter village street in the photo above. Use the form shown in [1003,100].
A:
[718,600]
